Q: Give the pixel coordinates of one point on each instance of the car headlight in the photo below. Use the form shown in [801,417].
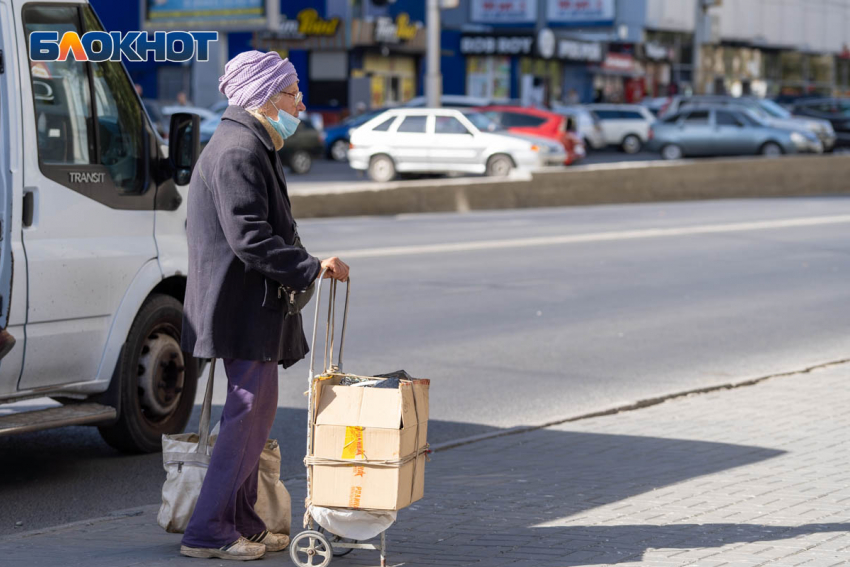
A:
[798,138]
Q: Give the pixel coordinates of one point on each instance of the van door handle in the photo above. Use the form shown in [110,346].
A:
[29,208]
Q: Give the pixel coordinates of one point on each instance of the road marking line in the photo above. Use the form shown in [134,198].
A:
[581,238]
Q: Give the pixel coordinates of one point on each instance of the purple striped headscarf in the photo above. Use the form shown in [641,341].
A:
[251,78]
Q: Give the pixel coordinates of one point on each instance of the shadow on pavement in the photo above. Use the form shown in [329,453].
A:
[519,497]
[511,497]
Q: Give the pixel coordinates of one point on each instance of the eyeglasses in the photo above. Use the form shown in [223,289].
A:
[299,96]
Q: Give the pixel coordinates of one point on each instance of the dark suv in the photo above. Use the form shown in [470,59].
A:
[835,110]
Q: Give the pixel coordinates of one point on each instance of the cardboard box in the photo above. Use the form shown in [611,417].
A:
[364,425]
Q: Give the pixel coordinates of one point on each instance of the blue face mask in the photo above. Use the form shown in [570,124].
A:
[286,124]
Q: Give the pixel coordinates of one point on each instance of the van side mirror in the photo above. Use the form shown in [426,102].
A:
[184,145]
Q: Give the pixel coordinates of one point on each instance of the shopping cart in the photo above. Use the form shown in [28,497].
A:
[315,548]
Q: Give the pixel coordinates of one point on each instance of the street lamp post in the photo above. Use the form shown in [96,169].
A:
[434,80]
[700,24]
[699,27]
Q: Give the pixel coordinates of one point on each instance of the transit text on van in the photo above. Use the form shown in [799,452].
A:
[80,177]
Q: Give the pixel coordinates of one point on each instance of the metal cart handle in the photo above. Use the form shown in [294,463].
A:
[329,335]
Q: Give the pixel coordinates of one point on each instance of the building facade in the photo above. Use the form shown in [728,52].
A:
[769,47]
[355,54]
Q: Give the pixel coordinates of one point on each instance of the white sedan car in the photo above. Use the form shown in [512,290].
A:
[624,125]
[442,140]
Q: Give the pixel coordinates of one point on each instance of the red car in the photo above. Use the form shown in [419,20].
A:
[540,123]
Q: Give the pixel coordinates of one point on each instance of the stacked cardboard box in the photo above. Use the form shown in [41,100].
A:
[382,432]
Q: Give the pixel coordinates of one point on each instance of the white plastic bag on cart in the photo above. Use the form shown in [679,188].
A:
[353,524]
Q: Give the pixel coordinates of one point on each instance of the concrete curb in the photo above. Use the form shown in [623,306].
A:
[631,182]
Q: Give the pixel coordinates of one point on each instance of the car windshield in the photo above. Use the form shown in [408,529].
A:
[773,109]
[482,122]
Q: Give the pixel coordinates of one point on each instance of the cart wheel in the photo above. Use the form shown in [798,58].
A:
[333,538]
[310,549]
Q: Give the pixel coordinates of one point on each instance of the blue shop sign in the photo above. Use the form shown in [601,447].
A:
[218,14]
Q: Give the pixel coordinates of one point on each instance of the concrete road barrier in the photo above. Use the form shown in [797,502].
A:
[632,182]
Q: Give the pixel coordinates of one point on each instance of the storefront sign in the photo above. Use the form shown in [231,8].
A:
[580,12]
[657,52]
[389,31]
[496,45]
[504,11]
[210,14]
[579,50]
[308,23]
[619,62]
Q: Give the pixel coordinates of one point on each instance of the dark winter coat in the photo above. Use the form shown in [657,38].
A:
[241,234]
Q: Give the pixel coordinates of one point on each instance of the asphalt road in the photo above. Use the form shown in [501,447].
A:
[522,317]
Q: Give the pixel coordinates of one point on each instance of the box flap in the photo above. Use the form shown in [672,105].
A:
[364,407]
[416,391]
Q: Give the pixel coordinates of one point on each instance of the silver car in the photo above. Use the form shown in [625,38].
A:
[767,110]
[443,140]
[723,131]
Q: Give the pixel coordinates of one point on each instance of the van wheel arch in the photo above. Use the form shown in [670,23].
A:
[151,402]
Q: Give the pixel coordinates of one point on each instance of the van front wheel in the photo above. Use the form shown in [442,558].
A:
[157,379]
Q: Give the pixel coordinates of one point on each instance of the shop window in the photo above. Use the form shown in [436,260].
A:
[333,94]
[328,65]
[517,120]
[449,125]
[413,125]
[394,89]
[488,77]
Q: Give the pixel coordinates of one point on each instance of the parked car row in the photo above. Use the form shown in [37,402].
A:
[480,136]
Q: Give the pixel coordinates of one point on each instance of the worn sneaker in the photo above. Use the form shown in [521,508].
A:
[273,542]
[239,550]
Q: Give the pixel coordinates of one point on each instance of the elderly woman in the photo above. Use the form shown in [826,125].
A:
[244,255]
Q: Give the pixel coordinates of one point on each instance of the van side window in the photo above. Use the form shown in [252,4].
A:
[119,118]
[64,125]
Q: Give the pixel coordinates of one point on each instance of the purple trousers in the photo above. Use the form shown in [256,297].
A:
[225,509]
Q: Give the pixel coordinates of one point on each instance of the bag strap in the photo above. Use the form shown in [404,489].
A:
[206,410]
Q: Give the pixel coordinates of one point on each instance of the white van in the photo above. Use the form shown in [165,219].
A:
[93,251]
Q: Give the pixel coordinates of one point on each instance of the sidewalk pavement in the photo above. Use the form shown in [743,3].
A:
[757,475]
